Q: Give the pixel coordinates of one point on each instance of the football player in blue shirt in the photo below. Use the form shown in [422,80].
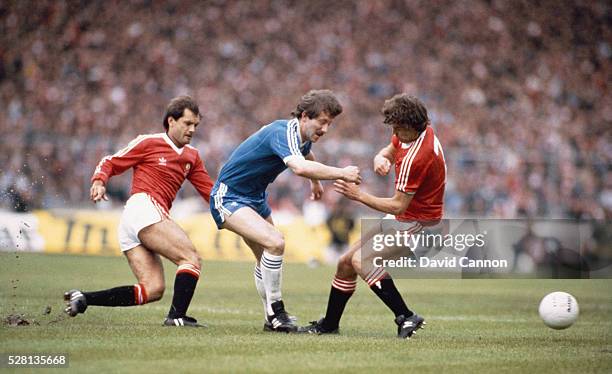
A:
[239,198]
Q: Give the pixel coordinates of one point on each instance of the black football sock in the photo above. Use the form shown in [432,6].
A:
[339,295]
[184,286]
[391,296]
[118,296]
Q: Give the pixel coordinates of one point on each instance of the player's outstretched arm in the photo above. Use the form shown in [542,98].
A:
[115,165]
[316,187]
[391,205]
[97,191]
[316,170]
[200,179]
[384,159]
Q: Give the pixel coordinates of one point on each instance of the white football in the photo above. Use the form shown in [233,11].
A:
[559,310]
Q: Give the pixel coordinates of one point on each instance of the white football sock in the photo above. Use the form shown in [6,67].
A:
[271,273]
[261,289]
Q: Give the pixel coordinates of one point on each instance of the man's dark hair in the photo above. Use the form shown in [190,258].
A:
[316,102]
[177,107]
[406,111]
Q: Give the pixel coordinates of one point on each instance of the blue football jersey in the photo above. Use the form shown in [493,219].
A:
[258,160]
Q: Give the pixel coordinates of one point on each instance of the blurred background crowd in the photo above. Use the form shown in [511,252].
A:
[517,91]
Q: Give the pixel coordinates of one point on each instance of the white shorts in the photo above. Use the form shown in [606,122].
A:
[390,223]
[140,211]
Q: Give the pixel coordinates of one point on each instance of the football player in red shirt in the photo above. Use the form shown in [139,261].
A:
[420,178]
[161,163]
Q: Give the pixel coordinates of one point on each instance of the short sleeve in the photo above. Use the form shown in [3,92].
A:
[286,142]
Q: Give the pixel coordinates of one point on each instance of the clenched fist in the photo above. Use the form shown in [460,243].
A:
[382,165]
[351,174]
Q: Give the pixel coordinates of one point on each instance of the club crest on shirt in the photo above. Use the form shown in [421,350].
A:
[187,168]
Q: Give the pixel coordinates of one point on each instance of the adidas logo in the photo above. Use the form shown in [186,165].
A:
[407,324]
[276,323]
[162,161]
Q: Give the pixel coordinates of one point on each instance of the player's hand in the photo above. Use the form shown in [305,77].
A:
[351,174]
[97,191]
[350,190]
[382,165]
[316,189]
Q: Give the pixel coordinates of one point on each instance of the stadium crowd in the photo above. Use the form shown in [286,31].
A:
[518,91]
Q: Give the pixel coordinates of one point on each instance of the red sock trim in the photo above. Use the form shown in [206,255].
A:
[344,285]
[140,294]
[145,297]
[375,275]
[188,269]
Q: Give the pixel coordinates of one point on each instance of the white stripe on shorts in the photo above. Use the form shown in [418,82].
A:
[219,202]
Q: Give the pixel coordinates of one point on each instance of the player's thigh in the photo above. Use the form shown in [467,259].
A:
[146,266]
[367,260]
[169,240]
[350,256]
[255,229]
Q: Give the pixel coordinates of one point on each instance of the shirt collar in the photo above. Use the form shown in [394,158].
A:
[171,144]
[299,133]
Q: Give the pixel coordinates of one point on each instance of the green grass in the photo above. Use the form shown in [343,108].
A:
[473,325]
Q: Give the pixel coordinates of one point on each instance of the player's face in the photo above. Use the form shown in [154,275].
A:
[404,135]
[181,130]
[314,128]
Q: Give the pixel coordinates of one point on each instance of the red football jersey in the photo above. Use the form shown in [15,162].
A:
[160,168]
[420,169]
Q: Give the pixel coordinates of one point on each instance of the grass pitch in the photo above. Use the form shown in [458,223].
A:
[473,325]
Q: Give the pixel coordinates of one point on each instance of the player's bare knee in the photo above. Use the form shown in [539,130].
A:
[356,261]
[194,259]
[187,254]
[275,244]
